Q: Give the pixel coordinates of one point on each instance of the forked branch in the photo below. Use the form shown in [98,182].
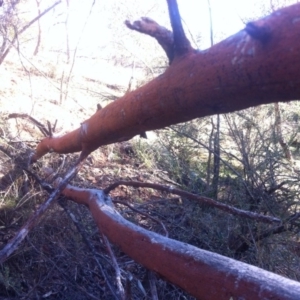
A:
[175,43]
[245,70]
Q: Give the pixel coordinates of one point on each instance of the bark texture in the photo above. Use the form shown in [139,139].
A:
[257,65]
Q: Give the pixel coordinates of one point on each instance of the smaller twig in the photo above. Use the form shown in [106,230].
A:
[293,218]
[90,246]
[272,189]
[181,44]
[153,289]
[221,159]
[49,129]
[121,290]
[14,243]
[54,126]
[20,163]
[5,151]
[128,292]
[144,214]
[17,33]
[244,244]
[46,186]
[208,201]
[39,125]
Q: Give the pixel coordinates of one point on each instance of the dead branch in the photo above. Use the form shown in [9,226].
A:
[144,214]
[38,124]
[204,200]
[90,246]
[121,291]
[163,35]
[14,243]
[17,34]
[237,73]
[182,45]
[203,274]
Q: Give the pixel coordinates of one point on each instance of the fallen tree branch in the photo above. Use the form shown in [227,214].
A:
[204,200]
[91,247]
[234,74]
[203,274]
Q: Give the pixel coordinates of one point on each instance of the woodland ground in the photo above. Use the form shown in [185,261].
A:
[56,260]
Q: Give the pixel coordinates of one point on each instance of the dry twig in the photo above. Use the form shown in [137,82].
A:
[204,200]
[14,243]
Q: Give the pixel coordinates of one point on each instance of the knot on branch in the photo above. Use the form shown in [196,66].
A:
[258,32]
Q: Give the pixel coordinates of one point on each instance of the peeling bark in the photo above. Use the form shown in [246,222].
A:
[237,73]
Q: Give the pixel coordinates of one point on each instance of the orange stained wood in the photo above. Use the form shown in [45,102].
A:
[234,74]
[203,274]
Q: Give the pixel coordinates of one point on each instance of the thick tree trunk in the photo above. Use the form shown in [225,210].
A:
[255,66]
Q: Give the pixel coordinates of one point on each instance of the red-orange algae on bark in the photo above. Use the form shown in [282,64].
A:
[234,74]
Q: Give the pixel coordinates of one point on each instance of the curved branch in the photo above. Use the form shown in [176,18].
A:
[205,275]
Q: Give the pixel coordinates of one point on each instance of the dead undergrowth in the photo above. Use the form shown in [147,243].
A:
[64,256]
[59,261]
[66,259]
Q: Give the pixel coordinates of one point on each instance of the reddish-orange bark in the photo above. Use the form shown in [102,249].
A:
[203,274]
[237,73]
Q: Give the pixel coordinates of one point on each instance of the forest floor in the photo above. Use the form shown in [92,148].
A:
[57,261]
